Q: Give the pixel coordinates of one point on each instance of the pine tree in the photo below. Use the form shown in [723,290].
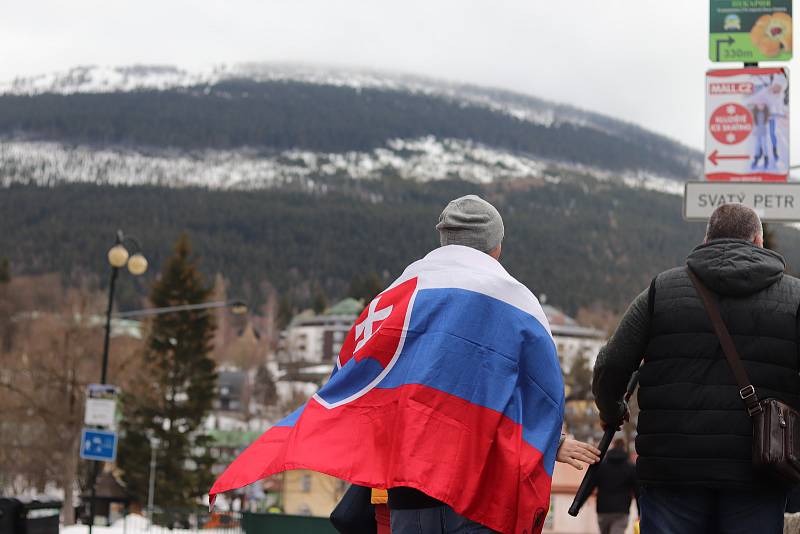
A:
[266,392]
[579,378]
[365,288]
[285,312]
[320,301]
[175,394]
[5,271]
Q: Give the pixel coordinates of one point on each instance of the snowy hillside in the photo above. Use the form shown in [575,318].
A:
[256,126]
[421,160]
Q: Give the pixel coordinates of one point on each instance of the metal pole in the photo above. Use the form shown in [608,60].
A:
[114,272]
[151,490]
[104,372]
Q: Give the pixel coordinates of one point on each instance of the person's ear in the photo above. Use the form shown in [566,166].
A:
[495,252]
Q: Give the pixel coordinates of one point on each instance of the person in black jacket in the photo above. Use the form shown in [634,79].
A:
[694,435]
[615,480]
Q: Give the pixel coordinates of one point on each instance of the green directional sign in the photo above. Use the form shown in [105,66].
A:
[749,31]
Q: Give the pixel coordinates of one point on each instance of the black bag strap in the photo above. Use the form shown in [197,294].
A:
[746,390]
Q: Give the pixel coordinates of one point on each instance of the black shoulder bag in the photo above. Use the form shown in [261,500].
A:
[776,425]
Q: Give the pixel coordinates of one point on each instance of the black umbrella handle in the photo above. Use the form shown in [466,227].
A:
[585,488]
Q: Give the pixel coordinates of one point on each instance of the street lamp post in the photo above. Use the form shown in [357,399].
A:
[118,257]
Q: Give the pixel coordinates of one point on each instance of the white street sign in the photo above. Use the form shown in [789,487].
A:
[100,412]
[747,125]
[101,405]
[774,202]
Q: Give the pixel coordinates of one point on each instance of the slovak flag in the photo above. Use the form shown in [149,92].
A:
[448,382]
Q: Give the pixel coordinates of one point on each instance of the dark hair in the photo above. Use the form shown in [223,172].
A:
[733,221]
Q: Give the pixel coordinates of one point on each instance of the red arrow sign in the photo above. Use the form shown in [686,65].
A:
[716,156]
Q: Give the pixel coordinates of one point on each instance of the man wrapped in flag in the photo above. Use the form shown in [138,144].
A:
[447,391]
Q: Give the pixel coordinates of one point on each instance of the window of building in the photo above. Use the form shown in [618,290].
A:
[305,484]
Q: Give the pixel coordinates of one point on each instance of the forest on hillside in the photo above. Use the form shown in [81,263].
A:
[583,243]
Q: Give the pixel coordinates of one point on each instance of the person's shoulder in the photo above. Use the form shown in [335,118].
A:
[670,277]
[789,286]
[790,280]
[675,272]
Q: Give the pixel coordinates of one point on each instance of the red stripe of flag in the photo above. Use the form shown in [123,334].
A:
[468,456]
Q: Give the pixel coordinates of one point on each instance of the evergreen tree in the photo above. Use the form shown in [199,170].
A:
[285,312]
[365,288]
[579,378]
[266,392]
[320,301]
[176,392]
[5,271]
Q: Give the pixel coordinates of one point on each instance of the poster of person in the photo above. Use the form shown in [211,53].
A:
[747,120]
[749,31]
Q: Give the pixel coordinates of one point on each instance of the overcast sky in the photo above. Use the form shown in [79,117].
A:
[638,60]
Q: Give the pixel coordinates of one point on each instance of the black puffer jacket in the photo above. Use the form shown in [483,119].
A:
[693,428]
[615,481]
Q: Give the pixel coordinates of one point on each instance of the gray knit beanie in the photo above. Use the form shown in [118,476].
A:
[472,222]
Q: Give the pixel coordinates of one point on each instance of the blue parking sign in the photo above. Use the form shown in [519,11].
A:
[99,445]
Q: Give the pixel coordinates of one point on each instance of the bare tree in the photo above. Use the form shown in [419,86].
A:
[52,353]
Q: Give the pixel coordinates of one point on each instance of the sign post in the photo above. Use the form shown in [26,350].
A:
[101,405]
[747,125]
[747,113]
[774,202]
[98,445]
[749,31]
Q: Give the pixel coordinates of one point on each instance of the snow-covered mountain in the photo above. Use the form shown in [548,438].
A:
[252,126]
[96,79]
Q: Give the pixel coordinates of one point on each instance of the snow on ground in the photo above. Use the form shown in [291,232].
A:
[137,524]
[421,159]
[424,159]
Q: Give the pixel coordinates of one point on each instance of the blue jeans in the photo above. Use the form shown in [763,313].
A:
[689,510]
[438,520]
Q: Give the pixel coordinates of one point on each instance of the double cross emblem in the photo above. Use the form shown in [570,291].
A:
[364,329]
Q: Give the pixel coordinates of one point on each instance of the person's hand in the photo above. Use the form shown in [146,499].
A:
[573,452]
[625,416]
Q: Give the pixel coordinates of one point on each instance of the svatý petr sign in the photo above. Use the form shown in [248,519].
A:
[747,125]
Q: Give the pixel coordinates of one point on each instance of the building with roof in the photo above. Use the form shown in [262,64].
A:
[572,339]
[230,390]
[309,346]
[111,499]
[311,493]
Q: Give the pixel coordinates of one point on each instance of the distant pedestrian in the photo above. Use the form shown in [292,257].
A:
[615,480]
